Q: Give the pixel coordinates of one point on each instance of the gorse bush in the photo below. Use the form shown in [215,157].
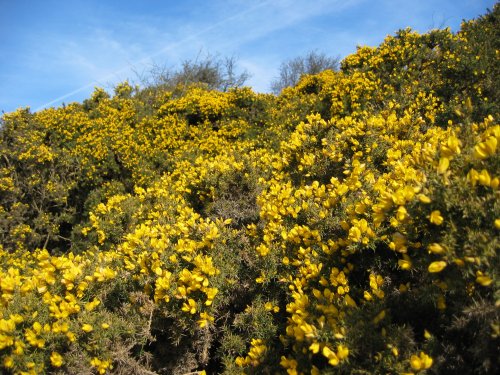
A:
[349,225]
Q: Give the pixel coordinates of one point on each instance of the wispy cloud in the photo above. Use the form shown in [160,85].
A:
[107,42]
[226,34]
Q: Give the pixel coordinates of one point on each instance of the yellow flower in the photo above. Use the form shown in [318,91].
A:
[420,362]
[189,306]
[435,248]
[8,362]
[405,263]
[290,364]
[87,328]
[6,341]
[205,319]
[89,306]
[349,301]
[240,361]
[211,293]
[37,327]
[424,198]
[314,347]
[473,176]
[427,334]
[270,307]
[56,359]
[331,356]
[71,336]
[437,266]
[7,326]
[415,362]
[101,236]
[101,366]
[402,213]
[485,149]
[31,337]
[342,352]
[484,178]
[452,146]
[436,218]
[444,163]
[16,318]
[483,279]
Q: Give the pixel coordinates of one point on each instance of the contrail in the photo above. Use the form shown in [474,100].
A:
[160,52]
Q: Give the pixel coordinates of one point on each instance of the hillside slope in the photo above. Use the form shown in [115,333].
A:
[349,225]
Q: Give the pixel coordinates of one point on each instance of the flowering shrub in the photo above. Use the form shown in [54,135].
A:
[349,225]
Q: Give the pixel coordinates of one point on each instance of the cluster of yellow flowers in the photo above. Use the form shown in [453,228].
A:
[379,207]
[200,103]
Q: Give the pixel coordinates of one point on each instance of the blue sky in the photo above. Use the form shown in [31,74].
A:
[57,51]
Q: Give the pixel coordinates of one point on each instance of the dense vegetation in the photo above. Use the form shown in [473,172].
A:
[349,225]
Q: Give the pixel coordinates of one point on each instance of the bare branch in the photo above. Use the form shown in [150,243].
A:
[292,70]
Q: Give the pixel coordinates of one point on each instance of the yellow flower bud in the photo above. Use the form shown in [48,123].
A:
[435,248]
[438,266]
